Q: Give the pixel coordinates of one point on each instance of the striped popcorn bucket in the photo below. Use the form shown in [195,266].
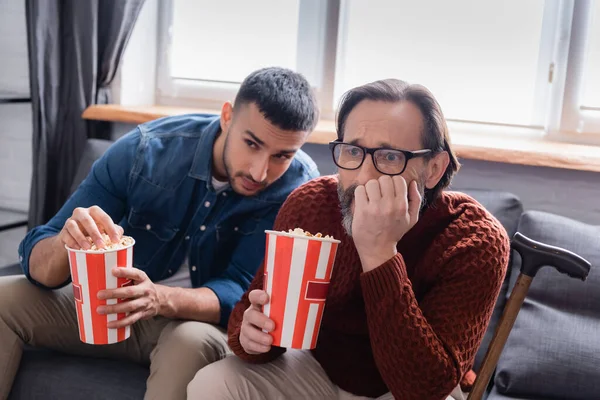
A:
[297,274]
[90,273]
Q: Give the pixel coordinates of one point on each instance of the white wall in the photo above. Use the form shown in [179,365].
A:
[15,119]
[14,69]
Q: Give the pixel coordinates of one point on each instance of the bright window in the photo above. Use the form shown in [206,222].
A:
[224,41]
[479,58]
[591,85]
[507,64]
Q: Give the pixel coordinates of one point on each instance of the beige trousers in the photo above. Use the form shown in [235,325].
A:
[293,376]
[175,350]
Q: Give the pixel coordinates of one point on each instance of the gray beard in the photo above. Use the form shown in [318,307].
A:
[346,197]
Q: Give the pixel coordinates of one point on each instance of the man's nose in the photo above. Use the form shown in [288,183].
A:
[367,171]
[259,170]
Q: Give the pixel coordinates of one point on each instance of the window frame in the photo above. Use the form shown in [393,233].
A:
[557,114]
[543,90]
[317,34]
[572,121]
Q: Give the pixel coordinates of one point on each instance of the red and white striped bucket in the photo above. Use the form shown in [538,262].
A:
[90,273]
[297,274]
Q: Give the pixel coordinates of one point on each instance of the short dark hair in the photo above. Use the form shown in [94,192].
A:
[435,135]
[283,96]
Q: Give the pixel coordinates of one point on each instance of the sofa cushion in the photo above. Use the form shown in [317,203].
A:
[553,349]
[48,375]
[494,395]
[507,208]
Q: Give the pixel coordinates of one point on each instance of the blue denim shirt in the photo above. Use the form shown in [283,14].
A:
[156,182]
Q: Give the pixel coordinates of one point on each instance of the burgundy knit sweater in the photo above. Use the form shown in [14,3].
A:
[411,326]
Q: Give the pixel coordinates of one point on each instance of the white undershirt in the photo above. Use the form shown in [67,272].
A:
[181,278]
[219,185]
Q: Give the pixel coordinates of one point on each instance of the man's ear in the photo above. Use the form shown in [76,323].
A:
[436,167]
[226,117]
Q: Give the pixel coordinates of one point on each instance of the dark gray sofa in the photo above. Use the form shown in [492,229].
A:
[49,375]
[553,351]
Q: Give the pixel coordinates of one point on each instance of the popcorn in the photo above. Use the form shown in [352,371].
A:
[302,232]
[125,241]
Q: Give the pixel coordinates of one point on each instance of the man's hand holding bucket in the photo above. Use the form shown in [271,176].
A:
[253,337]
[142,298]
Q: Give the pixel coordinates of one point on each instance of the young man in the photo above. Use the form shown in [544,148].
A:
[196,192]
[416,275]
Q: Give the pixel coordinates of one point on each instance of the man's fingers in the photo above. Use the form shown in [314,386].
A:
[414,202]
[125,307]
[253,340]
[69,240]
[73,229]
[386,184]
[128,292]
[258,297]
[252,347]
[103,219]
[400,187]
[360,198]
[83,218]
[258,319]
[254,334]
[129,273]
[373,190]
[127,321]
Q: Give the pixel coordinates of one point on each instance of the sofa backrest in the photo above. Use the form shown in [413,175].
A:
[94,148]
[507,208]
[553,348]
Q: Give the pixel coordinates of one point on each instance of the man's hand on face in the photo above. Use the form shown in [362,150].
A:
[89,222]
[384,210]
[142,298]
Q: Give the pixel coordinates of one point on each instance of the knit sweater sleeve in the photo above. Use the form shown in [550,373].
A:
[289,217]
[423,349]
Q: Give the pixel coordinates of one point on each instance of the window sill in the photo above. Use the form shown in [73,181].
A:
[511,150]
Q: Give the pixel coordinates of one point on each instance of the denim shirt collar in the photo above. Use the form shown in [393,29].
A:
[202,164]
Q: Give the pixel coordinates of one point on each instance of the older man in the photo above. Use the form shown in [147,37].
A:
[416,275]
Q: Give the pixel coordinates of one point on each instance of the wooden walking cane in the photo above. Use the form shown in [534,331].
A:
[534,256]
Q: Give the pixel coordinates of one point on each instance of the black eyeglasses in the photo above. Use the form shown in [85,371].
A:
[387,161]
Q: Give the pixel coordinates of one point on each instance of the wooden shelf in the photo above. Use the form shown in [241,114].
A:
[511,150]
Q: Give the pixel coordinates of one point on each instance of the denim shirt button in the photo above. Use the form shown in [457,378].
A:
[194,268]
[187,238]
[224,194]
[170,272]
[148,227]
[236,229]
[203,228]
[207,204]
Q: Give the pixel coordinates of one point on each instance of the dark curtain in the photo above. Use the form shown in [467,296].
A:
[75,47]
